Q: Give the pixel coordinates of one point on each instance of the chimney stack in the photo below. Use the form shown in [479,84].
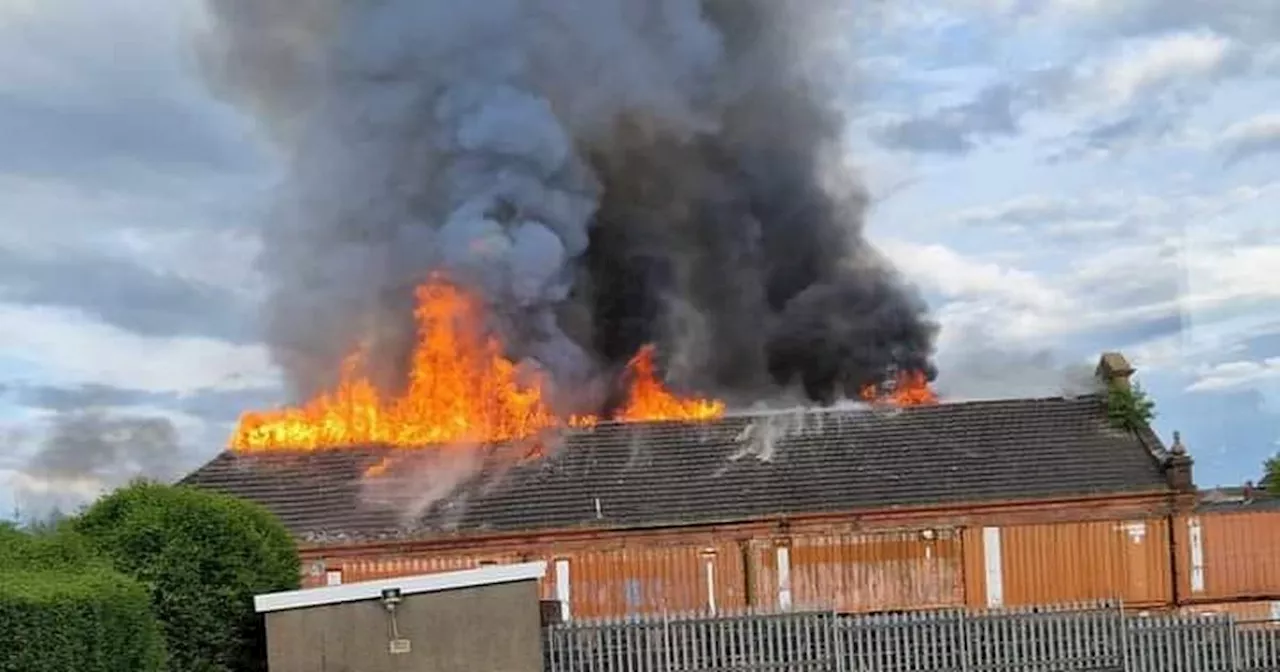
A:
[1177,467]
[1114,370]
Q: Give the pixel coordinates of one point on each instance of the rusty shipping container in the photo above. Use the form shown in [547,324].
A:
[1057,563]
[590,583]
[650,579]
[860,572]
[1228,556]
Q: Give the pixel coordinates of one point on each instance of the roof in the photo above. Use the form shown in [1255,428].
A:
[733,469]
[1225,502]
[406,585]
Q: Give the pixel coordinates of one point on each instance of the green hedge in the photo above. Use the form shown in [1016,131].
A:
[62,610]
[58,549]
[205,556]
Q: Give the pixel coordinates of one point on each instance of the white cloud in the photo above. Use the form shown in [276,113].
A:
[1205,341]
[1149,64]
[1263,126]
[1183,263]
[1237,374]
[1252,136]
[1081,7]
[74,350]
[980,293]
[79,488]
[1063,217]
[954,275]
[1020,211]
[1249,19]
[1033,213]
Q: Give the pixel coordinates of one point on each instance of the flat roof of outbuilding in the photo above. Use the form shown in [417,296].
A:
[407,585]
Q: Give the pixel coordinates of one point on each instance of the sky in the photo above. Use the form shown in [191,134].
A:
[1059,178]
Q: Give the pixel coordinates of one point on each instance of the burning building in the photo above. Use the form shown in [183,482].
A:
[872,507]
[528,257]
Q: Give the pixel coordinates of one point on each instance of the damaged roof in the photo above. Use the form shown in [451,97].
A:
[736,468]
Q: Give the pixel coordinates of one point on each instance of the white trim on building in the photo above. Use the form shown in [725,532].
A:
[407,585]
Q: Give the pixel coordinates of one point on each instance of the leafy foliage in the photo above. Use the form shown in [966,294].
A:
[1271,475]
[48,549]
[65,609]
[1129,408]
[204,556]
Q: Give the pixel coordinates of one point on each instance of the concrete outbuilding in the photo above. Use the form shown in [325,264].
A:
[480,619]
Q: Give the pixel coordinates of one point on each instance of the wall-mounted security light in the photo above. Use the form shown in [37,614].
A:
[391,597]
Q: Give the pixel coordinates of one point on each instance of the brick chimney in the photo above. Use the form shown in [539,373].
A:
[1177,467]
[1114,369]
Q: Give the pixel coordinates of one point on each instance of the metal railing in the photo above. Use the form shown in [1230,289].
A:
[1098,638]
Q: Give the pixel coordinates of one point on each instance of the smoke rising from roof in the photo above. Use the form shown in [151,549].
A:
[605,173]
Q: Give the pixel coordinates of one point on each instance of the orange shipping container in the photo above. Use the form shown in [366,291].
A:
[1059,563]
[647,580]
[860,573]
[1229,556]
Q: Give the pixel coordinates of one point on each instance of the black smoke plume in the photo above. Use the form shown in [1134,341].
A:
[605,173]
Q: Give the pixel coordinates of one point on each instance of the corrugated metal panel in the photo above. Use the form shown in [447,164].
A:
[651,580]
[974,585]
[1265,612]
[1070,562]
[763,573]
[1229,556]
[893,571]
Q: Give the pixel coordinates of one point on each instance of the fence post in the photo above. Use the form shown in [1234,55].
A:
[835,642]
[1233,649]
[966,642]
[666,641]
[1124,638]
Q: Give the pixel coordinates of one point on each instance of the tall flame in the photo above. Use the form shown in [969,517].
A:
[460,388]
[647,399]
[907,388]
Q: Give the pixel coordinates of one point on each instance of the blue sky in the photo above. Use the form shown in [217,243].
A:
[1058,177]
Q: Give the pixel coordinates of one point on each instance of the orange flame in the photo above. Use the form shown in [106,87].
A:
[910,388]
[461,389]
[647,399]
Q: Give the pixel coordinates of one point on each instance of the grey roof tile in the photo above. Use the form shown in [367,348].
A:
[736,468]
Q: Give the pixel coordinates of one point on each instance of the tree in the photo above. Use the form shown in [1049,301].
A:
[204,556]
[1129,408]
[1271,475]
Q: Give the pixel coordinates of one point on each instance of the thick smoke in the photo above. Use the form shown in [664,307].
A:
[89,451]
[606,173]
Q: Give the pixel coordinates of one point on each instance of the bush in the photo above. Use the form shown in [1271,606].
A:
[64,609]
[205,556]
[1130,408]
[59,548]
[93,620]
